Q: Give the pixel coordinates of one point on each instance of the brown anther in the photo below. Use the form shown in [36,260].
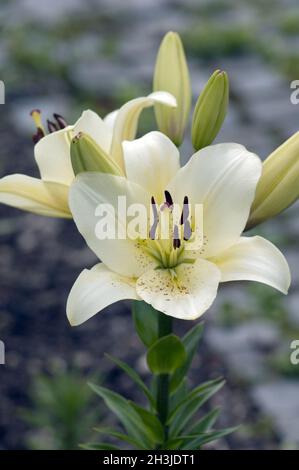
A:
[38,135]
[52,127]
[60,120]
[168,198]
[153,228]
[176,240]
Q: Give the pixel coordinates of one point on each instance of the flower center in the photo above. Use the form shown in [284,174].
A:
[170,232]
[57,124]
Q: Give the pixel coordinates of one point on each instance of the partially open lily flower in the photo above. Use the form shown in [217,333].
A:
[49,195]
[168,275]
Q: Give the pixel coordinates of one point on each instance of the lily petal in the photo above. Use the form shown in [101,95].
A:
[126,121]
[120,253]
[222,177]
[52,155]
[186,296]
[255,259]
[152,161]
[34,195]
[94,290]
[90,123]
[110,119]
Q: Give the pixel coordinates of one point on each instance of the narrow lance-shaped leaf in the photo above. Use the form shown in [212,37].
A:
[190,341]
[134,376]
[129,418]
[179,418]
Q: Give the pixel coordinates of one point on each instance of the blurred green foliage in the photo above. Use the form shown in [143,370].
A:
[62,411]
[209,41]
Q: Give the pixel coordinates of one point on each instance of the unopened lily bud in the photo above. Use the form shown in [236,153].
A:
[87,155]
[210,110]
[278,186]
[172,75]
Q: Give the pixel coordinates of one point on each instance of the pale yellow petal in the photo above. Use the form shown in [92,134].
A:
[255,259]
[52,155]
[126,120]
[34,195]
[94,290]
[185,292]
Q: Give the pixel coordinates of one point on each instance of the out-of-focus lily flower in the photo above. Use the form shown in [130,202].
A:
[278,186]
[172,75]
[166,273]
[49,194]
[210,110]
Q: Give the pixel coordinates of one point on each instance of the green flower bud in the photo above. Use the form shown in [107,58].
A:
[87,155]
[210,110]
[172,75]
[278,186]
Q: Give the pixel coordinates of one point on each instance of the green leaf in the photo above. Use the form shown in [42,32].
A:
[190,405]
[206,422]
[178,396]
[166,355]
[190,341]
[99,446]
[195,444]
[125,412]
[146,322]
[151,422]
[134,376]
[121,436]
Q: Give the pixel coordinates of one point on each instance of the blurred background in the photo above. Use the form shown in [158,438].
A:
[65,56]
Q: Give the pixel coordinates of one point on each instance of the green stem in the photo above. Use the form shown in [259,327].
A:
[165,328]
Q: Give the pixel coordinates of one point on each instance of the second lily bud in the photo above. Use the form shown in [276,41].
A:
[278,186]
[210,110]
[87,155]
[172,75]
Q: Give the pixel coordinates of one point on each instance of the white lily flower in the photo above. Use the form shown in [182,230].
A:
[49,194]
[166,274]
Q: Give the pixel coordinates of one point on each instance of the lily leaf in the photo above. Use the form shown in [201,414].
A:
[125,412]
[190,341]
[195,444]
[206,423]
[146,322]
[121,436]
[134,376]
[151,422]
[166,355]
[190,405]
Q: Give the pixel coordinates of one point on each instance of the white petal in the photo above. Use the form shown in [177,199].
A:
[91,124]
[52,155]
[89,191]
[34,195]
[110,119]
[186,297]
[126,121]
[255,259]
[152,161]
[94,290]
[223,178]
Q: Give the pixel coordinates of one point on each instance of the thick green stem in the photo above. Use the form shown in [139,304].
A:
[165,328]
